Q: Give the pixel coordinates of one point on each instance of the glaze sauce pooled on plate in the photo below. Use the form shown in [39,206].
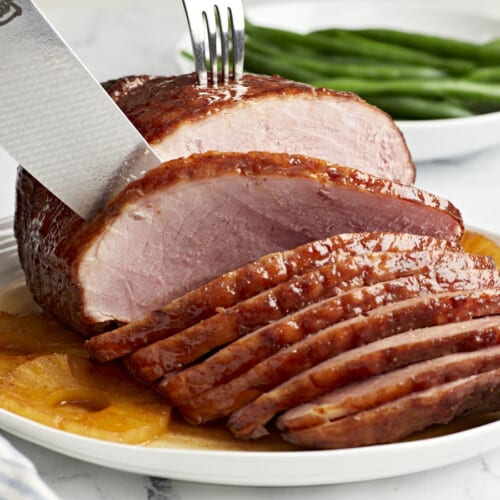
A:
[46,376]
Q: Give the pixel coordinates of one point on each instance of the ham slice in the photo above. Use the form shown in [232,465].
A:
[263,113]
[381,389]
[240,356]
[395,420]
[272,385]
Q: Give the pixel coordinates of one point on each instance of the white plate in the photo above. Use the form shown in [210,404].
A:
[247,468]
[427,139]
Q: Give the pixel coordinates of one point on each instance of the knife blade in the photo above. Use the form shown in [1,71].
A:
[57,121]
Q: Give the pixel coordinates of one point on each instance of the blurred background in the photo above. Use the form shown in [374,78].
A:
[120,37]
[117,37]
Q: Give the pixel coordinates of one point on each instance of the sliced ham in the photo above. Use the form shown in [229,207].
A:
[381,322]
[395,420]
[195,218]
[381,389]
[247,281]
[240,356]
[155,360]
[263,113]
[315,378]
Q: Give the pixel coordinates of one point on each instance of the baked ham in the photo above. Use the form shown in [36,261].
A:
[327,314]
[171,354]
[381,389]
[240,356]
[312,367]
[259,381]
[193,219]
[397,419]
[263,113]
[247,281]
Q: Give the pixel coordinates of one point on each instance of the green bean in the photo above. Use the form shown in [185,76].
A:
[351,44]
[292,49]
[476,107]
[259,63]
[431,44]
[411,108]
[422,88]
[436,45]
[487,74]
[187,55]
[326,68]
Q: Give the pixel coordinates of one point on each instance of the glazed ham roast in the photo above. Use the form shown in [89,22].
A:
[278,261]
[195,218]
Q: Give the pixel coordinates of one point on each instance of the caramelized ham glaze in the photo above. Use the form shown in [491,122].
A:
[311,373]
[193,219]
[260,387]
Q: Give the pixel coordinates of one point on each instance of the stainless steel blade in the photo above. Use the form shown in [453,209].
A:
[55,118]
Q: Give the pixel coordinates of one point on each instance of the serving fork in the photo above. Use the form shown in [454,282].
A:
[216,18]
[9,266]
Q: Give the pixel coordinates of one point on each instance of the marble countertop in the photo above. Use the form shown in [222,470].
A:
[117,37]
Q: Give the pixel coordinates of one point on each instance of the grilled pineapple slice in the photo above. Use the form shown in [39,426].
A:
[67,392]
[481,245]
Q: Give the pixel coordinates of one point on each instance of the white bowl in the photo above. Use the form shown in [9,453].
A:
[427,139]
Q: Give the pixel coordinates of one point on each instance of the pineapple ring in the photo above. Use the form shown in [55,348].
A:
[99,402]
[478,244]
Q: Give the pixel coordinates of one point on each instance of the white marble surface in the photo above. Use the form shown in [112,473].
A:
[116,37]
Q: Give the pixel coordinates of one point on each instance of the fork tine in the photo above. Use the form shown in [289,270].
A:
[202,16]
[209,15]
[196,29]
[238,35]
[223,15]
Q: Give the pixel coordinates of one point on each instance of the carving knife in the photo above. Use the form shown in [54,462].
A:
[57,121]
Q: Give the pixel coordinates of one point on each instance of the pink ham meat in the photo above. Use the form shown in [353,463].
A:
[171,354]
[318,371]
[263,113]
[240,356]
[397,419]
[248,281]
[381,389]
[195,218]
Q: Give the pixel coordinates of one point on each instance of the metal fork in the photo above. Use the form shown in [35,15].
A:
[203,17]
[9,263]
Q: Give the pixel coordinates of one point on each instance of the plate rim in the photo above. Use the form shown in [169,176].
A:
[275,468]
